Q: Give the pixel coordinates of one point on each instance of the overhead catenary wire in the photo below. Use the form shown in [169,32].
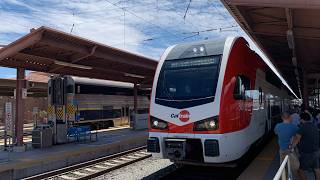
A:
[132,13]
[124,24]
[72,23]
[185,14]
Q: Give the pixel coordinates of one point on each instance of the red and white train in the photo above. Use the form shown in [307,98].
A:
[211,100]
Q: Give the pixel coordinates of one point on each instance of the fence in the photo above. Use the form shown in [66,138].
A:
[284,171]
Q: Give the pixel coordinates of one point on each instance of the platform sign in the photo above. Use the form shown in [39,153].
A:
[8,118]
[24,93]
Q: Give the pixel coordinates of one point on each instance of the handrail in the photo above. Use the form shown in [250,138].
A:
[282,171]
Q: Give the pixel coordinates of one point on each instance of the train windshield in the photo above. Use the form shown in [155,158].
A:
[187,80]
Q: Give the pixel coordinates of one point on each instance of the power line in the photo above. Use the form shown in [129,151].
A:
[211,29]
[132,13]
[72,23]
[124,24]
[185,14]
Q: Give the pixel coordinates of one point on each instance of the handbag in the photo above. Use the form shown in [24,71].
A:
[294,160]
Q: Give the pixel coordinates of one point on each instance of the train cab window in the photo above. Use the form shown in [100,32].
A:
[241,85]
[70,88]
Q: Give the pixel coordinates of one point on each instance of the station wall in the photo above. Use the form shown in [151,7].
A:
[30,103]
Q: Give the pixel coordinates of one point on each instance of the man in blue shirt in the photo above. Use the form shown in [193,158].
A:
[285,131]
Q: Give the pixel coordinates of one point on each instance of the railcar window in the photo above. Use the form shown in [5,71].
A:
[100,114]
[241,85]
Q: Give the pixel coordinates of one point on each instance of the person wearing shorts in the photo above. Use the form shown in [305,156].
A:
[285,132]
[307,139]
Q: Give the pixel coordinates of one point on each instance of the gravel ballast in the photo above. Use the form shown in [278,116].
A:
[148,168]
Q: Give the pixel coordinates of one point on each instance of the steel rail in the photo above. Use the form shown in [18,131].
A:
[63,172]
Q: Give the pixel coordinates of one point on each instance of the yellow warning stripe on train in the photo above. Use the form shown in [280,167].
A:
[50,110]
[71,109]
[59,113]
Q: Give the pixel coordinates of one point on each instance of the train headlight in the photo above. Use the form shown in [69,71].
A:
[158,123]
[155,123]
[209,124]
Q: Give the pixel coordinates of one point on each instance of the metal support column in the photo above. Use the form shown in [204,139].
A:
[21,84]
[305,91]
[135,98]
[317,94]
[135,106]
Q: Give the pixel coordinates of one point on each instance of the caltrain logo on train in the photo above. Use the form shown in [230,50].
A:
[183,115]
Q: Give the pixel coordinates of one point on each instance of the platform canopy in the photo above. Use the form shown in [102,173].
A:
[52,51]
[35,89]
[288,31]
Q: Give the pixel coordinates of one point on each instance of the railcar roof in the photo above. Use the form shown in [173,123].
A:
[212,47]
[100,82]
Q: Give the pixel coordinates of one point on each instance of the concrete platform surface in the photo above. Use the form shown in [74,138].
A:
[15,165]
[265,165]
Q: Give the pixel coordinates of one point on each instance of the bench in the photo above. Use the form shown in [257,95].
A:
[72,133]
[81,132]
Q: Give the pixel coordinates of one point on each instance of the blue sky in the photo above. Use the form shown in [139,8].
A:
[145,27]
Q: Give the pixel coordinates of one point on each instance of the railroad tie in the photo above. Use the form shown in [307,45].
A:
[67,177]
[101,167]
[90,170]
[143,152]
[132,157]
[126,159]
[109,164]
[79,173]
[119,162]
[139,155]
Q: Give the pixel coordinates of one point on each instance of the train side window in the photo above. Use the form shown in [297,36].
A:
[241,85]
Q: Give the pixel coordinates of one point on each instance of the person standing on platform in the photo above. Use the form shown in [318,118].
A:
[295,117]
[285,132]
[308,139]
[317,119]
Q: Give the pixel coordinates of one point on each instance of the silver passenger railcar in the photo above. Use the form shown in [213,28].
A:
[94,102]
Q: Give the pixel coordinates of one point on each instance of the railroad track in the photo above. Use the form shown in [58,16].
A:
[95,168]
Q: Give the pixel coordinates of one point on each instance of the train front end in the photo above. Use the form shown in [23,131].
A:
[184,124]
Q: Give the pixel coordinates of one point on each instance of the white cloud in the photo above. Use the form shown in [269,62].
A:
[150,26]
[101,21]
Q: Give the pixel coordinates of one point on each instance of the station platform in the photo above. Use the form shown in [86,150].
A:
[265,165]
[16,165]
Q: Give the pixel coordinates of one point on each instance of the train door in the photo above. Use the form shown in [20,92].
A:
[256,112]
[261,116]
[242,83]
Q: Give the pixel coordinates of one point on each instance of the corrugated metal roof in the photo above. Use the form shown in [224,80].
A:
[288,31]
[52,51]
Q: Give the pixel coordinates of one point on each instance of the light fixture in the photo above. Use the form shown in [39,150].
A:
[61,63]
[294,61]
[290,39]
